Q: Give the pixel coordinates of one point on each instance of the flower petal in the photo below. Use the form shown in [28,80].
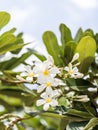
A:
[29,79]
[49,91]
[40,102]
[54,70]
[54,103]
[46,106]
[44,95]
[58,82]
[66,68]
[75,69]
[40,88]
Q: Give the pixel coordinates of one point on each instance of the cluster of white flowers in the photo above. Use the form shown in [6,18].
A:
[46,75]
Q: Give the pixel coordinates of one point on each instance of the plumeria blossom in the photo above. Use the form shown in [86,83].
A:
[48,98]
[73,71]
[49,82]
[45,70]
[28,73]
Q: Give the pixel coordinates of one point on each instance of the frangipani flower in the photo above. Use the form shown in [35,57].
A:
[45,70]
[28,73]
[49,82]
[48,99]
[73,71]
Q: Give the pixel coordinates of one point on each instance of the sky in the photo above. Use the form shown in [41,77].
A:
[34,17]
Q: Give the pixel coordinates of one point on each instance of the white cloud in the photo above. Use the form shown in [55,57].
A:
[85,4]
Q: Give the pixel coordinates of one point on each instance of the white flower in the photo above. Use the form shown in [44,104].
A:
[73,71]
[48,99]
[45,70]
[49,82]
[29,73]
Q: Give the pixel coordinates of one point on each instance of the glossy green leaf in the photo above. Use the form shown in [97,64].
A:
[14,62]
[65,34]
[96,39]
[8,107]
[20,127]
[2,126]
[78,113]
[69,117]
[63,124]
[69,51]
[92,123]
[7,39]
[10,47]
[86,49]
[19,40]
[21,95]
[88,32]
[78,84]
[11,31]
[79,35]
[52,47]
[4,18]
[39,56]
[76,126]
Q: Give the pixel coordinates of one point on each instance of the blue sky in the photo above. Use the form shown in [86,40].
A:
[33,17]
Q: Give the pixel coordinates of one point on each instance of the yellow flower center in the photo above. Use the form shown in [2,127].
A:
[48,84]
[31,74]
[71,72]
[48,100]
[46,72]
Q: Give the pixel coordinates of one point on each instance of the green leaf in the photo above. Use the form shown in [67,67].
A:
[69,47]
[14,62]
[92,123]
[7,39]
[39,56]
[2,126]
[78,113]
[52,47]
[20,127]
[23,95]
[88,32]
[65,34]
[86,49]
[96,39]
[11,31]
[79,35]
[68,117]
[63,124]
[6,105]
[76,125]
[19,40]
[4,18]
[10,47]
[78,84]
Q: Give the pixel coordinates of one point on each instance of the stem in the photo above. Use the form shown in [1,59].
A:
[12,123]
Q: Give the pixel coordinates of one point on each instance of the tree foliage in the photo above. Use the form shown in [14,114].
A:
[18,101]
